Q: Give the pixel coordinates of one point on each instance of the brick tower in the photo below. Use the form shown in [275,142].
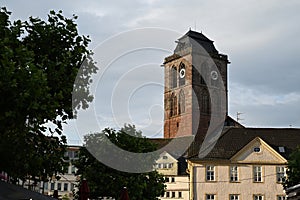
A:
[193,75]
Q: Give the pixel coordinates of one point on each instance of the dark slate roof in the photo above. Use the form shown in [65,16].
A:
[190,37]
[197,36]
[234,139]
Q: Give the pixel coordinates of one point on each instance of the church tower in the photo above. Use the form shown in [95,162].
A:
[195,76]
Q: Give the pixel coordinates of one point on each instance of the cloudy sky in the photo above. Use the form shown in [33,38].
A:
[261,39]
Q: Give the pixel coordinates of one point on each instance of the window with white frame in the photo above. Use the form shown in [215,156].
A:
[258,197]
[210,173]
[173,195]
[234,173]
[179,194]
[66,186]
[257,173]
[281,197]
[281,174]
[234,197]
[210,197]
[167,194]
[52,186]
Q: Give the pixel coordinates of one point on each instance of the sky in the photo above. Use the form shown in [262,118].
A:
[131,38]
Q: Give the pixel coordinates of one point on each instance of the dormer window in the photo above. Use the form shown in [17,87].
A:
[256,149]
[281,149]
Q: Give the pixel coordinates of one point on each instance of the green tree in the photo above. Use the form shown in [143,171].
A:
[39,62]
[105,181]
[293,169]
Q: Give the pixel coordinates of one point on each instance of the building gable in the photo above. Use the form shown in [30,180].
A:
[166,157]
[258,151]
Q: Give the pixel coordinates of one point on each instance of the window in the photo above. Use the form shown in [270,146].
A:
[281,174]
[181,102]
[52,186]
[173,83]
[205,102]
[281,149]
[165,157]
[203,71]
[46,185]
[173,195]
[173,102]
[257,173]
[234,197]
[167,179]
[233,173]
[256,149]
[258,197]
[172,179]
[66,186]
[210,173]
[59,186]
[76,154]
[281,197]
[210,197]
[167,194]
[179,194]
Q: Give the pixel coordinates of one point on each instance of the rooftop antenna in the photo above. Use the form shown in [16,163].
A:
[238,116]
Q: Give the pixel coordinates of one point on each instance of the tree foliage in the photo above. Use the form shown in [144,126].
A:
[293,169]
[104,181]
[39,62]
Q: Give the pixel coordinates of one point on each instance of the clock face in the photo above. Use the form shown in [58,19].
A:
[214,75]
[182,73]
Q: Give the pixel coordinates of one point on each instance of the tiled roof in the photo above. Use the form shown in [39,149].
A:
[234,139]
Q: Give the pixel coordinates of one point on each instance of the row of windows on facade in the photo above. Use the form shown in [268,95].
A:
[59,186]
[71,155]
[173,194]
[170,179]
[178,107]
[257,173]
[237,197]
[177,77]
[163,165]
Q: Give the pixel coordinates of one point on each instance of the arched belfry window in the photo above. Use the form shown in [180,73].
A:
[173,105]
[181,105]
[205,102]
[181,74]
[173,81]
[203,73]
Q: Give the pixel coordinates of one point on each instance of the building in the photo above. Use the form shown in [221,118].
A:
[195,87]
[177,179]
[245,163]
[67,182]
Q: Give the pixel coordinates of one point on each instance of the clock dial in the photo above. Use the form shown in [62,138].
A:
[214,75]
[182,73]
